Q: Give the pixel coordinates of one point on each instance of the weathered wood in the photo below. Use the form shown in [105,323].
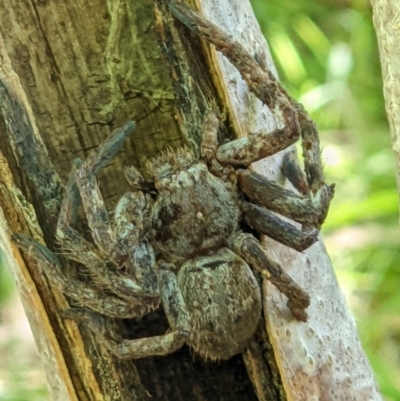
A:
[386,15]
[68,80]
[72,72]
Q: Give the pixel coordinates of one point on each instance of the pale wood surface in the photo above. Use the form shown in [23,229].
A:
[386,16]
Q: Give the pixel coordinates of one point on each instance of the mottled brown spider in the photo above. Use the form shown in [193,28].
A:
[179,240]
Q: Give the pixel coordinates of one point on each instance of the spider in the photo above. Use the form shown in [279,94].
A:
[179,240]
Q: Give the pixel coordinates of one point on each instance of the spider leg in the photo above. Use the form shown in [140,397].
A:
[256,146]
[267,223]
[175,310]
[84,252]
[70,204]
[292,171]
[72,198]
[104,153]
[92,199]
[137,252]
[140,261]
[308,210]
[132,218]
[81,293]
[209,143]
[266,87]
[260,81]
[253,253]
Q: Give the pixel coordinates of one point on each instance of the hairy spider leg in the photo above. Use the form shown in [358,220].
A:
[81,293]
[92,199]
[268,223]
[266,87]
[138,254]
[209,143]
[261,82]
[292,171]
[308,210]
[178,319]
[254,147]
[257,217]
[253,253]
[72,197]
[126,286]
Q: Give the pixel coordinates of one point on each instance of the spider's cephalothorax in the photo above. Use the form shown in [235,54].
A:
[178,240]
[194,213]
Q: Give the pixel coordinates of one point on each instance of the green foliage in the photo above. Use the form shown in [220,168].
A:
[327,57]
[22,385]
[21,375]
[6,285]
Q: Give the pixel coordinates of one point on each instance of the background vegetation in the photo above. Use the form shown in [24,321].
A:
[327,57]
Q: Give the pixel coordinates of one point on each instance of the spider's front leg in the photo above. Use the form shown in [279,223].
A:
[244,151]
[81,293]
[308,208]
[262,220]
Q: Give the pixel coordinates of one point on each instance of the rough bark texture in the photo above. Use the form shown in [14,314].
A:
[386,15]
[69,74]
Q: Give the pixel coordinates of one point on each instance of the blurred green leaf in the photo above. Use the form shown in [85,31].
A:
[6,284]
[376,205]
[312,36]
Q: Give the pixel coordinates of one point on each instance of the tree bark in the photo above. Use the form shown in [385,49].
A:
[72,72]
[386,16]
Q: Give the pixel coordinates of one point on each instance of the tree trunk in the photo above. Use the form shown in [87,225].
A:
[386,14]
[71,73]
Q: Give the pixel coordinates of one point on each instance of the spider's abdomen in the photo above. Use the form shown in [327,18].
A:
[193,214]
[223,299]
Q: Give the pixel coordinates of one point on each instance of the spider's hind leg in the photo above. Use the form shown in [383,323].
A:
[83,294]
[178,319]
